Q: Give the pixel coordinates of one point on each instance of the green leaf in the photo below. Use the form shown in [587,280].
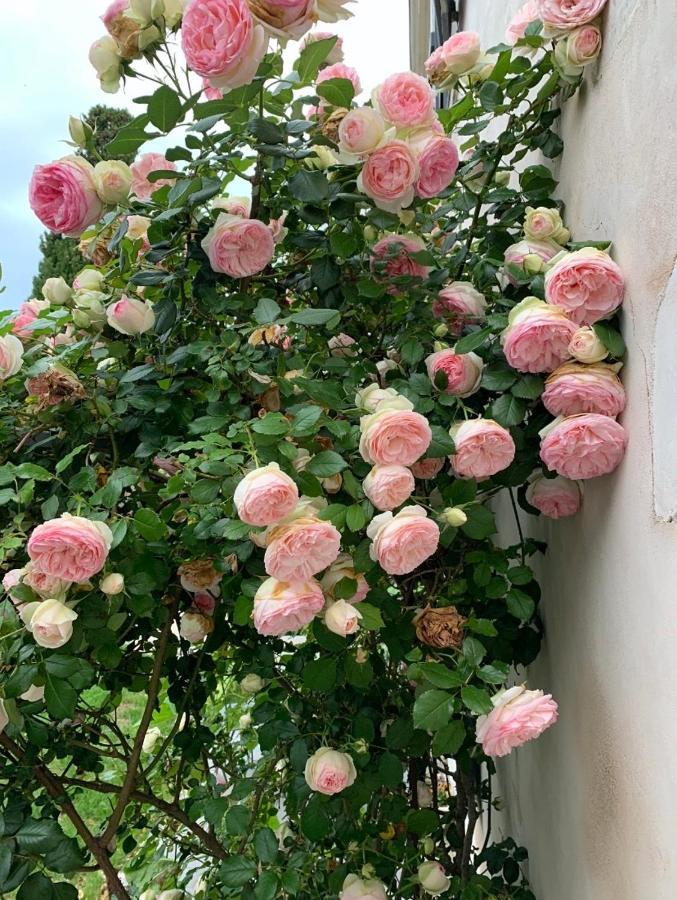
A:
[508,410]
[128,139]
[266,886]
[520,605]
[390,770]
[481,523]
[495,673]
[337,92]
[38,835]
[490,95]
[313,316]
[237,820]
[60,699]
[315,823]
[439,675]
[371,619]
[320,674]
[355,517]
[529,387]
[473,650]
[38,887]
[265,845]
[164,108]
[266,311]
[305,421]
[476,700]
[422,821]
[312,57]
[236,871]
[442,443]
[30,470]
[432,710]
[272,423]
[449,739]
[611,338]
[149,525]
[325,464]
[309,187]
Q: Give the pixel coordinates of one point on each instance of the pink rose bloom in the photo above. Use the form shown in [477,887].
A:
[329,772]
[457,56]
[459,303]
[426,469]
[524,16]
[239,247]
[586,446]
[586,347]
[361,131]
[45,585]
[281,608]
[563,15]
[406,100]
[130,315]
[342,618]
[483,448]
[63,196]
[284,18]
[437,166]
[141,169]
[234,206]
[27,314]
[204,602]
[344,567]
[388,486]
[587,284]
[115,9]
[211,93]
[222,43]
[530,256]
[301,548]
[391,257]
[463,371]
[265,496]
[402,542]
[392,437]
[389,175]
[555,498]
[70,547]
[537,337]
[339,70]
[575,388]
[335,55]
[518,716]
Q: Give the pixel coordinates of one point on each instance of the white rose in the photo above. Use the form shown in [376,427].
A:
[153,735]
[56,291]
[88,280]
[11,356]
[245,722]
[454,516]
[4,718]
[329,771]
[370,397]
[112,584]
[251,684]
[356,888]
[112,180]
[104,56]
[33,694]
[51,623]
[195,627]
[586,347]
[433,878]
[130,315]
[342,618]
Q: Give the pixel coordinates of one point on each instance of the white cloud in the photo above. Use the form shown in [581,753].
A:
[46,77]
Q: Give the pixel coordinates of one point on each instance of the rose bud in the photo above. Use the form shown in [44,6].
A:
[433,878]
[130,315]
[329,771]
[112,584]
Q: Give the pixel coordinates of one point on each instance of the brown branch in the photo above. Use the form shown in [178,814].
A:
[57,792]
[135,756]
[173,810]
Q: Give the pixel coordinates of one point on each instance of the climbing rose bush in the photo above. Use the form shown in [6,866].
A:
[259,636]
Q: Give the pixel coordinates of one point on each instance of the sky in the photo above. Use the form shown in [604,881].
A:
[45,77]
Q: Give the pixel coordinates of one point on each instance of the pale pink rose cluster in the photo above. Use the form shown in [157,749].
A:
[583,446]
[239,247]
[401,542]
[457,57]
[458,374]
[392,257]
[459,304]
[330,771]
[555,498]
[399,141]
[298,546]
[518,716]
[482,448]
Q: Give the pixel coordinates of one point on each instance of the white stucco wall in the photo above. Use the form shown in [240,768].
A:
[595,799]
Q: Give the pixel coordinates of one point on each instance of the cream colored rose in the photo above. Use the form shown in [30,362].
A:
[454,516]
[545,224]
[586,347]
[371,397]
[174,11]
[105,57]
[251,684]
[56,291]
[88,279]
[51,623]
[195,627]
[153,735]
[11,356]
[329,771]
[433,878]
[342,618]
[112,584]
[112,180]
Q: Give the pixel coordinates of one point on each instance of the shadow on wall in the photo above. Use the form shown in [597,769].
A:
[663,412]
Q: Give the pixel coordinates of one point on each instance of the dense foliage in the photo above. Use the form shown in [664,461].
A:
[156,381]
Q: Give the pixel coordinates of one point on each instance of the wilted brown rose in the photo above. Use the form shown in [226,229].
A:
[200,575]
[440,628]
[55,386]
[330,126]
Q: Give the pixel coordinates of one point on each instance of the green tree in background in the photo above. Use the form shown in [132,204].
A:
[60,255]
